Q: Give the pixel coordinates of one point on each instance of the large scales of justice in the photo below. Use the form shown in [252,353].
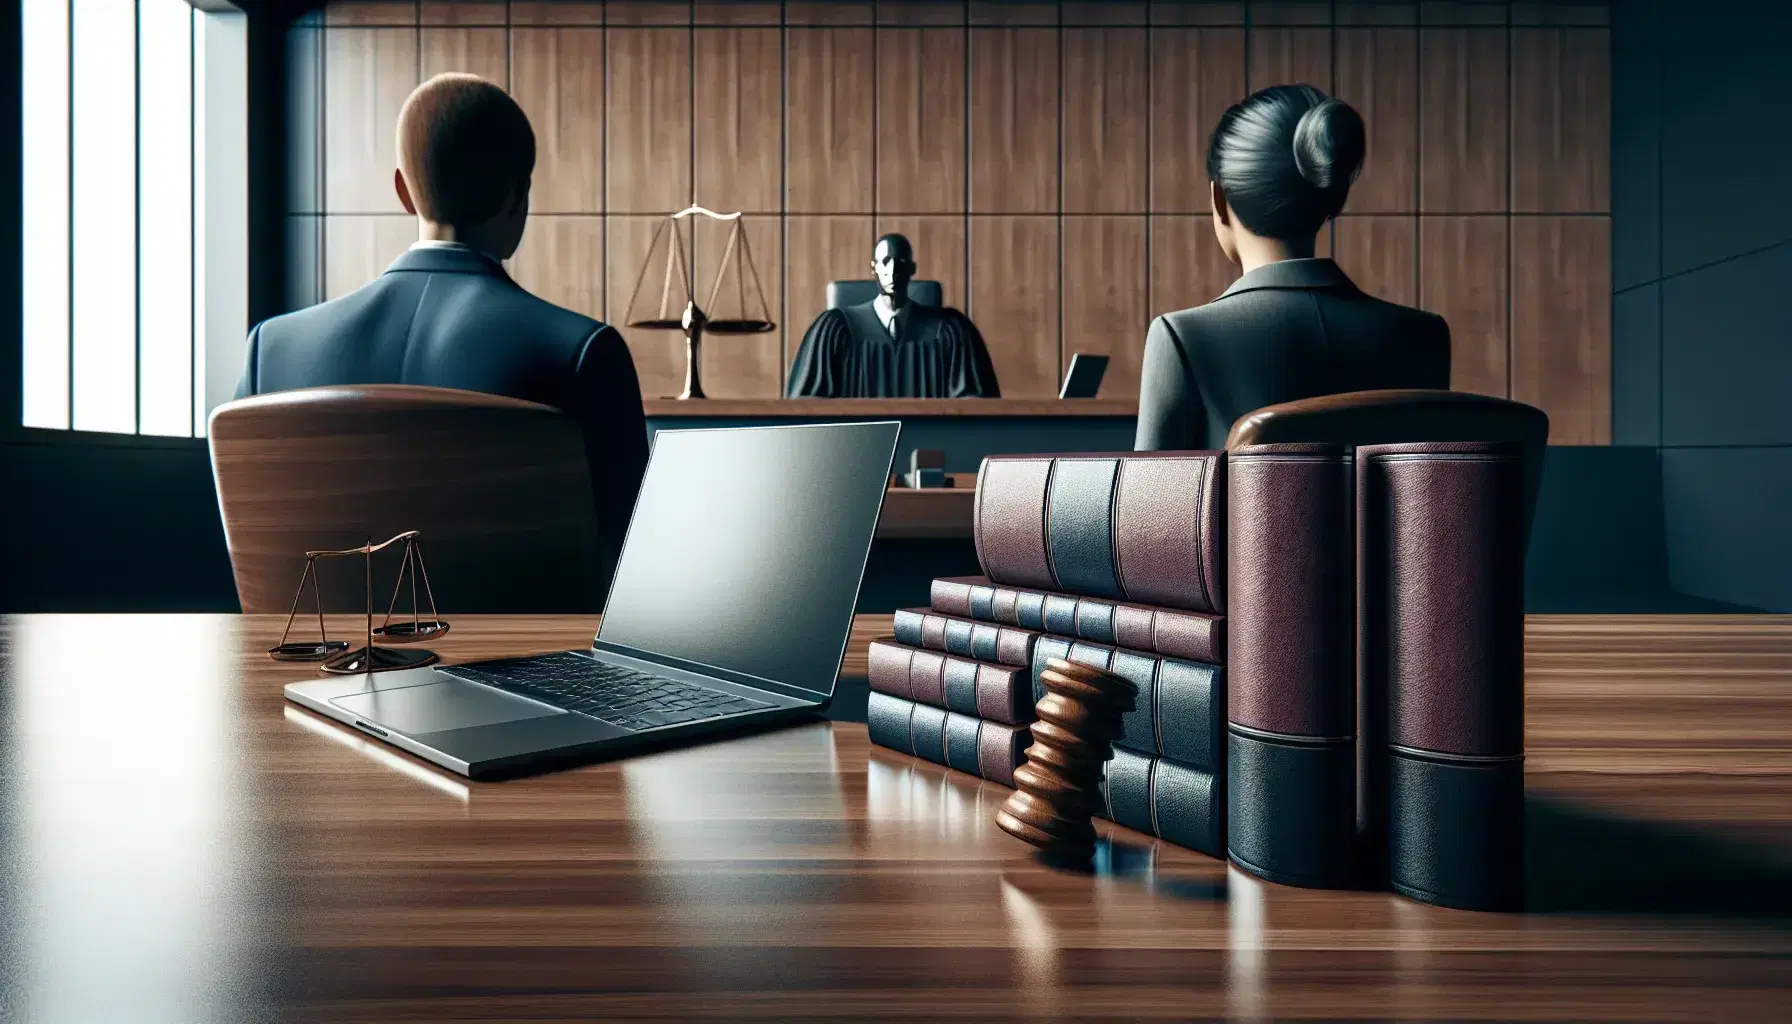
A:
[737,256]
[336,656]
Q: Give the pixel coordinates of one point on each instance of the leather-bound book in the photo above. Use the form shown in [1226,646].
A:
[1141,527]
[979,689]
[1172,632]
[1291,716]
[989,750]
[1178,706]
[1443,667]
[983,641]
[1172,801]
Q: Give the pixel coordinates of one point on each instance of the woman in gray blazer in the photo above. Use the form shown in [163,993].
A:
[1281,163]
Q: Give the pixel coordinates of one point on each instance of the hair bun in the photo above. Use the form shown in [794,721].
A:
[1329,142]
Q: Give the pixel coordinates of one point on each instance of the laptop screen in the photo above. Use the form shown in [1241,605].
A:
[747,548]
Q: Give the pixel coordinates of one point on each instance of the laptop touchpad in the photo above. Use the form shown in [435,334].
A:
[435,707]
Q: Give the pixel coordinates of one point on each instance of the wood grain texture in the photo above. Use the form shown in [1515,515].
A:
[1658,775]
[738,12]
[1561,324]
[368,74]
[940,249]
[647,12]
[1562,12]
[1106,116]
[1289,56]
[370,12]
[1195,75]
[921,12]
[1188,268]
[463,12]
[921,124]
[818,250]
[905,408]
[1464,275]
[1013,12]
[1014,120]
[938,513]
[1378,74]
[1463,118]
[557,12]
[1561,120]
[562,260]
[476,51]
[742,365]
[630,243]
[1104,297]
[1380,253]
[828,12]
[829,146]
[557,76]
[649,118]
[740,108]
[359,249]
[1015,288]
[1181,12]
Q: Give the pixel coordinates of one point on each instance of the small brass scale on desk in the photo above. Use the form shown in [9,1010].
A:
[336,656]
[693,321]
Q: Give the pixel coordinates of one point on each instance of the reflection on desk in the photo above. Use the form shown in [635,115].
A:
[183,848]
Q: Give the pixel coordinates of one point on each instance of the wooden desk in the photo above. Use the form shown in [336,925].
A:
[181,844]
[930,511]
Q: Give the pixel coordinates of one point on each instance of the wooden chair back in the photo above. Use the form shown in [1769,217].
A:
[1395,417]
[499,489]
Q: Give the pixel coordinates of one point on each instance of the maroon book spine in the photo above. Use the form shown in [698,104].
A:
[1291,717]
[997,693]
[1172,632]
[1442,528]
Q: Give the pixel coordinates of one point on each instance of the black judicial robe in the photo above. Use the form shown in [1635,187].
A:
[847,353]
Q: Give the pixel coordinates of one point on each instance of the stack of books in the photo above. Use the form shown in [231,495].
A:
[1112,560]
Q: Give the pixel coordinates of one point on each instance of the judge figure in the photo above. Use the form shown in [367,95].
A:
[891,347]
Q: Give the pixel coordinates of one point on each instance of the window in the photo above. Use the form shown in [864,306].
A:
[133,207]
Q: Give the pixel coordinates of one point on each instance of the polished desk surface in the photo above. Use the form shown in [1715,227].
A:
[182,845]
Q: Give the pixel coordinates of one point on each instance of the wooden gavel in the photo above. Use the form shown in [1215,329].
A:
[1058,789]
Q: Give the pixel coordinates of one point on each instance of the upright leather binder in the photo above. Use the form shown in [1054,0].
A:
[988,750]
[1196,636]
[1143,527]
[1291,699]
[1442,529]
[1172,801]
[980,689]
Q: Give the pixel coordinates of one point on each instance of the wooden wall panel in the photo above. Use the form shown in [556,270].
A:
[371,12]
[649,119]
[1462,121]
[1289,56]
[1378,74]
[647,12]
[828,12]
[358,249]
[557,12]
[829,146]
[368,74]
[740,114]
[1561,120]
[1380,253]
[738,12]
[1104,297]
[1014,120]
[628,244]
[1376,12]
[1188,268]
[562,260]
[463,12]
[1103,12]
[1463,277]
[477,51]
[921,12]
[1195,75]
[557,75]
[742,365]
[1014,300]
[1180,12]
[940,250]
[1291,12]
[1013,12]
[1561,324]
[1106,117]
[921,126]
[818,250]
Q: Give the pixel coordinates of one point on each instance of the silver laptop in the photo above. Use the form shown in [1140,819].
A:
[730,608]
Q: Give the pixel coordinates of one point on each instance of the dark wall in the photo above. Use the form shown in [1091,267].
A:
[1702,260]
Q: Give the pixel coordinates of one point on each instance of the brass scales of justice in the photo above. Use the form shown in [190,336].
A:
[692,320]
[336,656]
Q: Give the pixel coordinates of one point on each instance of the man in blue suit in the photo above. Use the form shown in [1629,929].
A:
[446,315]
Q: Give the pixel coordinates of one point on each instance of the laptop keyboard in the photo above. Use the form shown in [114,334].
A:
[610,693]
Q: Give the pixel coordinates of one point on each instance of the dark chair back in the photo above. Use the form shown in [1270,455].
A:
[857,293]
[1395,417]
[499,489]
